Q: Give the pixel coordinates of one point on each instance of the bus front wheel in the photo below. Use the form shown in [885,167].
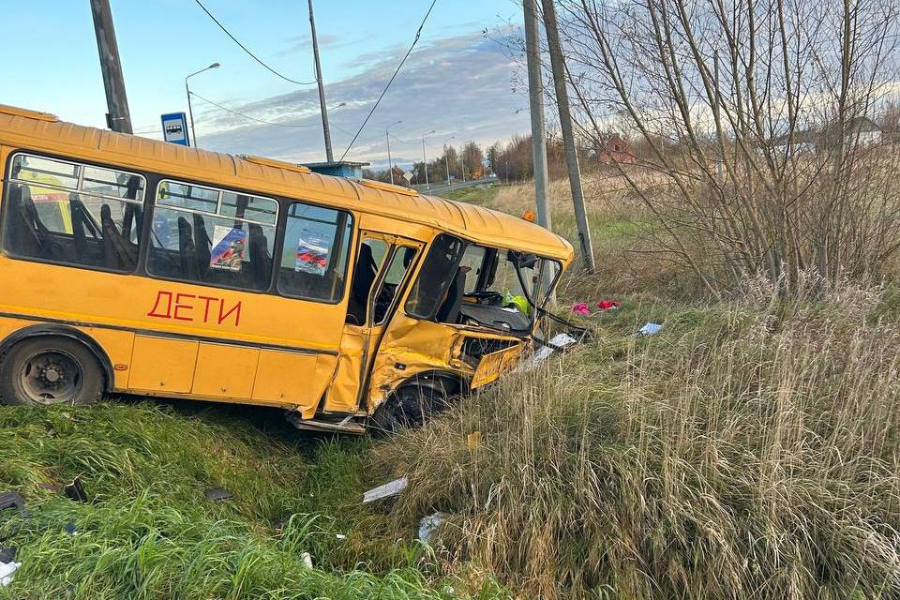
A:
[50,370]
[409,407]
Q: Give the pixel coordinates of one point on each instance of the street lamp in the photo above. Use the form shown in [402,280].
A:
[425,160]
[447,160]
[188,91]
[387,136]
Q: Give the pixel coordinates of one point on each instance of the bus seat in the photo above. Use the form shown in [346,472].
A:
[22,236]
[78,226]
[117,252]
[187,251]
[260,259]
[449,311]
[363,279]
[49,247]
[202,245]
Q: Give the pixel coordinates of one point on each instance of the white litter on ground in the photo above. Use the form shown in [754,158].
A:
[428,525]
[6,572]
[392,488]
[560,340]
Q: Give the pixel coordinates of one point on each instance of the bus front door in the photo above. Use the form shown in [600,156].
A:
[383,265]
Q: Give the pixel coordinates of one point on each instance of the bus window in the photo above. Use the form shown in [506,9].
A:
[371,256]
[435,278]
[212,236]
[73,214]
[314,258]
[394,276]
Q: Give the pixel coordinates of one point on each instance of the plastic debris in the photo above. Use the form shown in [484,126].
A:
[582,309]
[216,494]
[8,555]
[473,440]
[608,304]
[649,329]
[306,559]
[71,529]
[13,500]
[392,488]
[560,340]
[75,491]
[6,572]
[340,536]
[428,525]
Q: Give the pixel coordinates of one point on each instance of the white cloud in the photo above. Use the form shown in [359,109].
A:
[459,86]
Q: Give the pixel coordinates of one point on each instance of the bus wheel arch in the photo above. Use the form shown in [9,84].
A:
[58,349]
[415,399]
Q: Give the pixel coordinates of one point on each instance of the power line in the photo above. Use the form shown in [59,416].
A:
[247,50]
[240,114]
[394,76]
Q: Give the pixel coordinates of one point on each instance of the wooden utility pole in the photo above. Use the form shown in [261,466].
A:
[536,97]
[329,155]
[558,66]
[118,118]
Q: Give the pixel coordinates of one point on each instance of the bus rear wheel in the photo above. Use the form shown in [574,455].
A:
[45,371]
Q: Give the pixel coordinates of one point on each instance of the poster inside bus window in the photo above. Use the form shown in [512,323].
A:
[228,247]
[312,255]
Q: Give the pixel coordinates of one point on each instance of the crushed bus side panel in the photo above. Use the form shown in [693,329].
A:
[412,347]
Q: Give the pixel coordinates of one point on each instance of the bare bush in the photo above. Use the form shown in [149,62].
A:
[761,116]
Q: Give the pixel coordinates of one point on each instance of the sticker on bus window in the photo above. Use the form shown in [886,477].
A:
[312,256]
[228,246]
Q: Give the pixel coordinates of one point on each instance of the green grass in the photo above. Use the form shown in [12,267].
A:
[148,532]
[482,195]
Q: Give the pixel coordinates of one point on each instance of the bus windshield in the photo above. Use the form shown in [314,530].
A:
[461,282]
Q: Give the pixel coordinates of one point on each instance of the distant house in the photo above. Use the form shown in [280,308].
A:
[861,131]
[616,150]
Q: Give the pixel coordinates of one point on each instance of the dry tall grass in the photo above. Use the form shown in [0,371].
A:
[746,452]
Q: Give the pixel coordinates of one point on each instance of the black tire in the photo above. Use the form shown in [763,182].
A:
[409,407]
[44,371]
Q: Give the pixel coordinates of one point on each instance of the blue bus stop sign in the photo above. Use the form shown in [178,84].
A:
[175,129]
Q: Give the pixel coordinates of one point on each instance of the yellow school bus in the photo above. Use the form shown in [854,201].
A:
[134,266]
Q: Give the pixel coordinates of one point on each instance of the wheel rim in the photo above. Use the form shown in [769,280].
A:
[50,377]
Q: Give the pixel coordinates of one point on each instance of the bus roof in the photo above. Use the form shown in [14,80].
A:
[36,131]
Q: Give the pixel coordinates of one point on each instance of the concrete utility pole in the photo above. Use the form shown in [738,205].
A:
[329,154]
[535,97]
[118,118]
[425,160]
[557,64]
[387,137]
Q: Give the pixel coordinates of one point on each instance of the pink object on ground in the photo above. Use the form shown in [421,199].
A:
[581,309]
[607,304]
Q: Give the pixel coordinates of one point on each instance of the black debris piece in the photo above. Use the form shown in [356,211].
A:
[13,500]
[75,491]
[218,494]
[8,554]
[71,529]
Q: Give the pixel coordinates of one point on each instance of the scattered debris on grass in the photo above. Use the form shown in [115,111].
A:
[428,525]
[6,572]
[387,490]
[648,330]
[13,500]
[558,342]
[473,440]
[75,491]
[306,558]
[217,494]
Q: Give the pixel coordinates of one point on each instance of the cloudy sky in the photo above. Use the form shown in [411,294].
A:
[459,82]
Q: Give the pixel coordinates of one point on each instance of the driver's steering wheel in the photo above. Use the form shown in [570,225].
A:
[487,298]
